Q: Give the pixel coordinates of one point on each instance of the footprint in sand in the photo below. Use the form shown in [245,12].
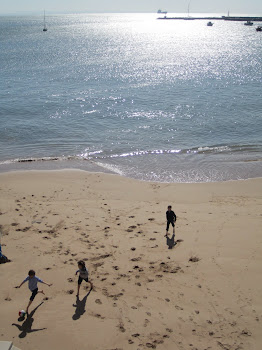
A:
[121,327]
[178,307]
[246,332]
[194,259]
[146,322]
[99,316]
[169,330]
[136,259]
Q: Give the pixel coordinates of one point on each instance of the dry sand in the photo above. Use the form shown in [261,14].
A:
[145,295]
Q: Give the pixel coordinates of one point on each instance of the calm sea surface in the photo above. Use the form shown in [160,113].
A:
[172,101]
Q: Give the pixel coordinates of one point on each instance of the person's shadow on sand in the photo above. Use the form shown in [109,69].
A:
[26,327]
[80,306]
[170,241]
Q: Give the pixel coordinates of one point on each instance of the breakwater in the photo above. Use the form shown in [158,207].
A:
[222,18]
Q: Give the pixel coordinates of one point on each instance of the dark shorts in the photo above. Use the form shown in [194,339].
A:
[168,223]
[34,292]
[80,279]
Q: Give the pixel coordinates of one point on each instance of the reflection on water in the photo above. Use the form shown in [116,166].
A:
[161,100]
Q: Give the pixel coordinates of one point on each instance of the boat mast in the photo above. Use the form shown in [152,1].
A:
[45,29]
[188,8]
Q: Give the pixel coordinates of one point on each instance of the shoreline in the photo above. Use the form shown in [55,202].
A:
[23,171]
[206,174]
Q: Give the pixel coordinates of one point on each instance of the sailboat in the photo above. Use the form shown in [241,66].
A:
[45,28]
[188,16]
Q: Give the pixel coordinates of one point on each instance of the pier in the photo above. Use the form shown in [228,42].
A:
[222,18]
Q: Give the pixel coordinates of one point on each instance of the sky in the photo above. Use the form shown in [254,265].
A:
[172,6]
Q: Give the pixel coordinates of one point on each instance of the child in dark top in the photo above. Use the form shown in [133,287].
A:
[32,285]
[171,219]
[83,275]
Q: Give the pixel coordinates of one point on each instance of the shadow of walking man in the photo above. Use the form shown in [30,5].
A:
[26,327]
[80,306]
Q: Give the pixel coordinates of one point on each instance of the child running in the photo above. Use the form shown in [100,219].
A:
[171,219]
[83,275]
[32,285]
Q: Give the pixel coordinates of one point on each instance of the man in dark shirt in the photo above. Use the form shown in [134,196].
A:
[171,219]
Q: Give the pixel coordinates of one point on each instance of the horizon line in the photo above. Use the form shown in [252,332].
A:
[38,13]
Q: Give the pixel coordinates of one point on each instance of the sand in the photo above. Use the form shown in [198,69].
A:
[205,293]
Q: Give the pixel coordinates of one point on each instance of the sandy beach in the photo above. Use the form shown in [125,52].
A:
[203,294]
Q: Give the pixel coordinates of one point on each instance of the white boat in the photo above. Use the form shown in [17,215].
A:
[210,24]
[45,28]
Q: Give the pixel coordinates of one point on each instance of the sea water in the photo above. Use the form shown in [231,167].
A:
[161,100]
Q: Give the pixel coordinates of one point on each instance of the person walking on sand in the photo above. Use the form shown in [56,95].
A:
[32,285]
[83,275]
[171,219]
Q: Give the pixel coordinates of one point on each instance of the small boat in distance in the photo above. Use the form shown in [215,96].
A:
[259,29]
[210,24]
[45,28]
[162,12]
[248,23]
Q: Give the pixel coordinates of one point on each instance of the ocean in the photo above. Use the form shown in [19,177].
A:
[167,101]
